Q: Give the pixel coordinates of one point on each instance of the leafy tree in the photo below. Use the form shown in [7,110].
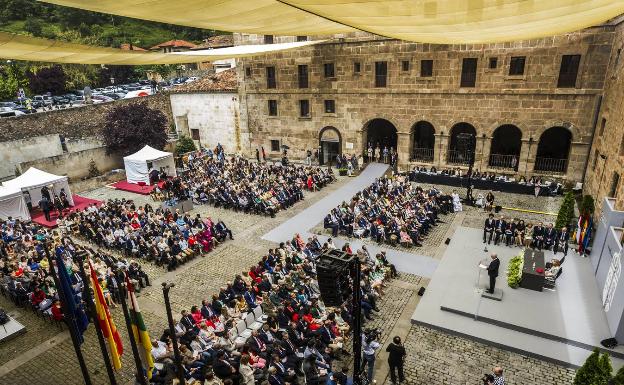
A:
[47,79]
[595,371]
[566,211]
[12,78]
[587,205]
[121,74]
[184,145]
[619,377]
[604,369]
[130,127]
[33,26]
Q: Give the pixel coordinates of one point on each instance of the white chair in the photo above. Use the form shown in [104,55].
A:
[251,322]
[259,316]
[243,334]
[179,328]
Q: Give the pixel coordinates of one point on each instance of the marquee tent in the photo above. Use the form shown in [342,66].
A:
[12,204]
[139,164]
[34,179]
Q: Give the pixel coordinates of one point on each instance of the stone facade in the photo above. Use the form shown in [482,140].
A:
[605,166]
[532,101]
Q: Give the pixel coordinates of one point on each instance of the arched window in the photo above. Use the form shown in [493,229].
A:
[330,145]
[462,143]
[423,141]
[553,150]
[505,148]
[381,133]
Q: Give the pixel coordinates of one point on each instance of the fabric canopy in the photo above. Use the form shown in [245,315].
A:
[12,203]
[429,21]
[139,164]
[34,179]
[19,47]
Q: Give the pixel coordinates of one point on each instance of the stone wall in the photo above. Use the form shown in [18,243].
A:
[606,161]
[76,164]
[532,101]
[78,122]
[215,115]
[14,152]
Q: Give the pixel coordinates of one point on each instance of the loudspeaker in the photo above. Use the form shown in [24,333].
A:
[421,291]
[497,208]
[332,272]
[448,240]
[609,343]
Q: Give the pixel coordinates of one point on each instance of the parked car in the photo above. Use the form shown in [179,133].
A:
[191,79]
[101,98]
[43,100]
[138,93]
[12,105]
[6,112]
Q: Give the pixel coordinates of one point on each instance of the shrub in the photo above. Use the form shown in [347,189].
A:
[93,170]
[514,270]
[184,145]
[587,205]
[596,370]
[566,211]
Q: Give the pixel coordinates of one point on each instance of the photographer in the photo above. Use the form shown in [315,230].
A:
[396,357]
[369,347]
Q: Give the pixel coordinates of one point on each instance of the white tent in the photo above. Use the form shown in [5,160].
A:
[139,164]
[12,204]
[34,179]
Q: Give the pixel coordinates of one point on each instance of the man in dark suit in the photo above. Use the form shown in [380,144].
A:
[550,236]
[492,270]
[396,356]
[488,228]
[561,244]
[538,236]
[499,229]
[44,205]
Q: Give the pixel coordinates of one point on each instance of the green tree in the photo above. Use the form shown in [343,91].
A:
[566,211]
[184,145]
[33,26]
[12,78]
[130,127]
[587,205]
[595,371]
[47,79]
[604,369]
[619,377]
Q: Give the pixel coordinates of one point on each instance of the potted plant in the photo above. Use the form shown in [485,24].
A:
[342,171]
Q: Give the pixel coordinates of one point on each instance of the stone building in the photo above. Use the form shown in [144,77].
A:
[606,161]
[530,106]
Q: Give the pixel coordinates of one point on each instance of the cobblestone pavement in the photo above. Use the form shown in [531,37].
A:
[434,357]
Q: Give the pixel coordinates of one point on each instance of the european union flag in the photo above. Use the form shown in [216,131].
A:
[76,317]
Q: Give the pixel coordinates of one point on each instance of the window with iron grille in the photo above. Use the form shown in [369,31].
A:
[516,65]
[330,106]
[275,145]
[328,70]
[302,76]
[194,133]
[469,72]
[272,107]
[426,68]
[381,73]
[304,108]
[493,63]
[270,77]
[568,71]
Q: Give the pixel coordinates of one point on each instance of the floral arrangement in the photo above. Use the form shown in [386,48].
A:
[514,270]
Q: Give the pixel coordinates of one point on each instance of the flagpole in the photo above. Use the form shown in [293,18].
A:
[174,339]
[96,319]
[72,331]
[121,280]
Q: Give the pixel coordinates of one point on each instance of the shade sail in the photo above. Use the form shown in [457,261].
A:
[19,47]
[432,21]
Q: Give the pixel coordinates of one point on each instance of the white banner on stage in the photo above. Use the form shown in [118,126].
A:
[613,276]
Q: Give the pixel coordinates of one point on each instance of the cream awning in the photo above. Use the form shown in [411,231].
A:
[19,47]
[432,21]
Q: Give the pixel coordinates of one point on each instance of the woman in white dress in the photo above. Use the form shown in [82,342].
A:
[457,205]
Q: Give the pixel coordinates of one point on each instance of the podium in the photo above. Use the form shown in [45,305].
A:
[483,288]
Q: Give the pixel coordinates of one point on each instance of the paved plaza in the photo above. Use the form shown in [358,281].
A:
[44,355]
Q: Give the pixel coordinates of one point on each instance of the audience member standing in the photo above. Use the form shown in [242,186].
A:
[396,357]
[263,154]
[258,155]
[44,205]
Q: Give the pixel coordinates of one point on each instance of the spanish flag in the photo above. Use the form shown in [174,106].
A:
[141,336]
[109,330]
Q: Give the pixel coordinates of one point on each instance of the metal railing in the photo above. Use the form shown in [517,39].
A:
[458,157]
[551,165]
[422,154]
[501,161]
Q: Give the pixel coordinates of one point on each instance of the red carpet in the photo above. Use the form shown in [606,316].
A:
[80,203]
[135,188]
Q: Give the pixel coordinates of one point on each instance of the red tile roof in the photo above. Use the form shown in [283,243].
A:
[130,47]
[223,81]
[175,44]
[218,41]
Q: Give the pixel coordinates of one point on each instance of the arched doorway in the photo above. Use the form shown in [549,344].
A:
[553,150]
[382,133]
[505,147]
[459,148]
[330,145]
[423,141]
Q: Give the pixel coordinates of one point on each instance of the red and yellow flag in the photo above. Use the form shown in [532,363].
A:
[109,330]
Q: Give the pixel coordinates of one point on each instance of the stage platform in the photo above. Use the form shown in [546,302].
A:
[135,188]
[561,325]
[80,203]
[11,329]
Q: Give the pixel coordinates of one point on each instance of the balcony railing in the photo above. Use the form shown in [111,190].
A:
[551,165]
[458,157]
[509,162]
[422,154]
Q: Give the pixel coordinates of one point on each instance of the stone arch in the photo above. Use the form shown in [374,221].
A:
[458,153]
[330,144]
[422,141]
[553,149]
[556,123]
[505,147]
[380,131]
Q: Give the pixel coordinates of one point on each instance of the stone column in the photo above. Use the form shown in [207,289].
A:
[439,151]
[528,151]
[579,155]
[403,147]
[482,153]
